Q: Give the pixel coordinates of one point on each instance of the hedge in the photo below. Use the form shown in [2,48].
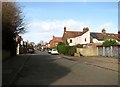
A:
[66,49]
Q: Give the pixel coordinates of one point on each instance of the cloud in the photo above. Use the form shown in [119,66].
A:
[55,25]
[44,30]
[106,25]
[110,27]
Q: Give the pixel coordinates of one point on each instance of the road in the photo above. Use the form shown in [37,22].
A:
[46,69]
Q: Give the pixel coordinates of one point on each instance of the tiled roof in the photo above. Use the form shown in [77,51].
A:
[72,34]
[101,36]
[50,41]
[57,39]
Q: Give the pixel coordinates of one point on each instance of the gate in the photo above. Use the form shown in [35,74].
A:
[100,51]
[115,51]
[107,51]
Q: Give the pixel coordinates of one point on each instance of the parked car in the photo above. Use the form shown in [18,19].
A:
[54,51]
[30,50]
[49,51]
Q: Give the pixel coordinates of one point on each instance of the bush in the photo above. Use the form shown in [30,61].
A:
[79,45]
[71,50]
[60,47]
[110,42]
[66,49]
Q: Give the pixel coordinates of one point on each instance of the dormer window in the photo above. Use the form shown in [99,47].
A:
[70,40]
[85,40]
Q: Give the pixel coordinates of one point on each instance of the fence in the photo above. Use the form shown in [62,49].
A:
[109,51]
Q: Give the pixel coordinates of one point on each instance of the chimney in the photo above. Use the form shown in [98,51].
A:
[53,36]
[103,31]
[85,29]
[64,29]
[119,34]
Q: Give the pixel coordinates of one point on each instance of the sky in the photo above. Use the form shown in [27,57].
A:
[45,19]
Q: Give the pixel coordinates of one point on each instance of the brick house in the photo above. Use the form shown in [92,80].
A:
[54,41]
[47,45]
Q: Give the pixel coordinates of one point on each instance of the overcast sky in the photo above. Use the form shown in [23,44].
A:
[45,19]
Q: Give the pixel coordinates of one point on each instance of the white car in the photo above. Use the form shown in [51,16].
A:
[49,51]
[54,51]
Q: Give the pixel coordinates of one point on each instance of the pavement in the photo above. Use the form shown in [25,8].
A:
[11,67]
[109,63]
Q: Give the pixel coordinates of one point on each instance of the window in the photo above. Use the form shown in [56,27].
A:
[85,40]
[70,40]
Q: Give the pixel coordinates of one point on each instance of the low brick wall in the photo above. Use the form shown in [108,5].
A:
[5,54]
[86,52]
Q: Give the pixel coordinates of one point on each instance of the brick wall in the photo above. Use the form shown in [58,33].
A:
[86,52]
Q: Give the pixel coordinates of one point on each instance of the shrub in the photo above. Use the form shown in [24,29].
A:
[79,45]
[109,42]
[66,49]
[71,50]
[61,47]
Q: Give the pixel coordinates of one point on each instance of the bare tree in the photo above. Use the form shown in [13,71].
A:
[12,16]
[12,24]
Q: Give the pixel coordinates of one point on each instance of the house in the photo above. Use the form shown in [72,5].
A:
[98,38]
[69,34]
[76,37]
[83,38]
[54,41]
[47,45]
[87,38]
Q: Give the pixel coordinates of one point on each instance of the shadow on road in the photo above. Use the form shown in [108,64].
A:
[10,66]
[40,70]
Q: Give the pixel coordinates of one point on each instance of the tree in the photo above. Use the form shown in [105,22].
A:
[32,43]
[12,24]
[61,47]
[42,42]
[109,42]
[66,49]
